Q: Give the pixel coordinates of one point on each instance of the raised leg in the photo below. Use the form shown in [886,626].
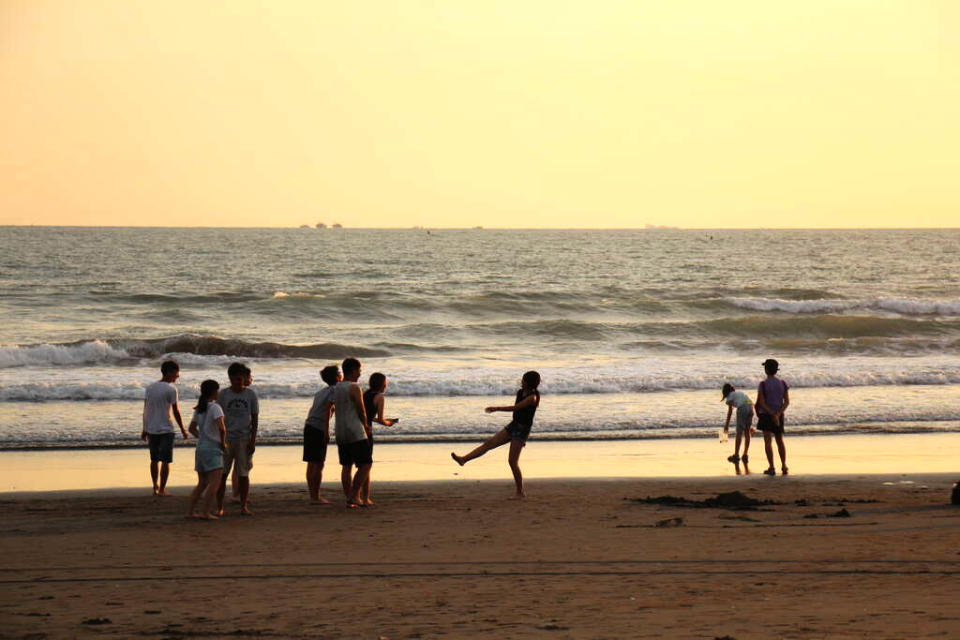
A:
[496,440]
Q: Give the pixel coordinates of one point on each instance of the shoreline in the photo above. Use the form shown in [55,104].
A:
[808,456]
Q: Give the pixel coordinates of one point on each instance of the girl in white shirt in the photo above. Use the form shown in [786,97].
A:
[208,427]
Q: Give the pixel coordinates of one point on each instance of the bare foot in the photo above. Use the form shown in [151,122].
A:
[367,503]
[519,496]
[321,501]
[210,516]
[193,516]
[218,513]
[786,471]
[245,511]
[162,492]
[156,491]
[459,459]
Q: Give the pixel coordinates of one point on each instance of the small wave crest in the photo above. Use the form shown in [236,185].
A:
[902,306]
[121,351]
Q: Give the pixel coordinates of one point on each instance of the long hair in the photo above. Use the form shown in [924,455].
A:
[207,389]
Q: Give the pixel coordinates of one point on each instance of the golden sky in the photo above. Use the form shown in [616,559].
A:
[501,113]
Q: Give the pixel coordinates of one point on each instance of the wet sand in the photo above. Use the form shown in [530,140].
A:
[47,470]
[870,556]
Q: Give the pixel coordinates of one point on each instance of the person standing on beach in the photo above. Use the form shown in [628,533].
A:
[516,433]
[208,427]
[234,483]
[373,403]
[353,432]
[316,433]
[159,401]
[773,398]
[241,409]
[738,400]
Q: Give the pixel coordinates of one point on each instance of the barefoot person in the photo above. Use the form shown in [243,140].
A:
[517,432]
[208,427]
[159,401]
[316,433]
[773,398]
[353,432]
[738,400]
[241,409]
[234,482]
[373,403]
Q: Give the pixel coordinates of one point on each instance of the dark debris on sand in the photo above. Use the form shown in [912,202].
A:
[729,500]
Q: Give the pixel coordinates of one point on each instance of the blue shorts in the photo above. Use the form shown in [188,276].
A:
[208,459]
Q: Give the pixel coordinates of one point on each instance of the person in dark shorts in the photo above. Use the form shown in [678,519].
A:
[353,432]
[373,403]
[160,401]
[316,433]
[516,433]
[773,398]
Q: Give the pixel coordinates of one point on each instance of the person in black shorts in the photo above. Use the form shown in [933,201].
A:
[773,398]
[517,432]
[373,403]
[316,433]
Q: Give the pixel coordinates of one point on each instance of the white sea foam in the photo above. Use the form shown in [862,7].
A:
[279,383]
[903,306]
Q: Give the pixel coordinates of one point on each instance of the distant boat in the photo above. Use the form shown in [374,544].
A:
[321,225]
[478,227]
[304,226]
[337,225]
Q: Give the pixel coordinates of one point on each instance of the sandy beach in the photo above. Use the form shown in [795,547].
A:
[826,556]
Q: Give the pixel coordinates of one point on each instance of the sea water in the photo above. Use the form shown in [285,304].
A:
[633,331]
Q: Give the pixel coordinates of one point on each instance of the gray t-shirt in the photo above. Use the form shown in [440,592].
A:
[238,411]
[318,410]
[349,426]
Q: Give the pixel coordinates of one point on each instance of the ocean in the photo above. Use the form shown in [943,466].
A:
[633,331]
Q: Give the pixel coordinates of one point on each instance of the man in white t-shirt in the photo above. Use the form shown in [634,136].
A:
[160,400]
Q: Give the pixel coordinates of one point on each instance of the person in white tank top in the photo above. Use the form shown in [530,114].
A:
[352,431]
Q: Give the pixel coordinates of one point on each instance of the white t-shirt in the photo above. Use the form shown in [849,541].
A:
[738,399]
[317,411]
[349,428]
[159,397]
[207,425]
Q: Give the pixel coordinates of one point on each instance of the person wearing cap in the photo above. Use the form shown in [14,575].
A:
[741,402]
[773,398]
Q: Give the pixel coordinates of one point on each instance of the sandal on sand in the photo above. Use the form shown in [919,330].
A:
[770,472]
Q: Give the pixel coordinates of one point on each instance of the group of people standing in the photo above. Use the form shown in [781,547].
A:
[225,423]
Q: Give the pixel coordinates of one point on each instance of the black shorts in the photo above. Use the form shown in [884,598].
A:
[766,422]
[518,431]
[161,447]
[355,453]
[315,444]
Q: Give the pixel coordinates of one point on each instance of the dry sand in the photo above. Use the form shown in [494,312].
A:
[577,559]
